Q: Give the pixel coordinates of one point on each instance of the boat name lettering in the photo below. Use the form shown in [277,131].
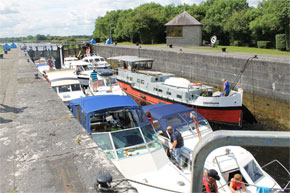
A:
[214,103]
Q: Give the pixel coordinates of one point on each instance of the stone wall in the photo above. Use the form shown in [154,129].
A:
[191,37]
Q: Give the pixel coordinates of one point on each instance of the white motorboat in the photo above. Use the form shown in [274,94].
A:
[120,128]
[97,61]
[66,84]
[105,85]
[227,161]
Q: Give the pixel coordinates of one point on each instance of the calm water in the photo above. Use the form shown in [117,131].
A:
[266,154]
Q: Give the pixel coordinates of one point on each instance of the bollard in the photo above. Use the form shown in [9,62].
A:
[5,51]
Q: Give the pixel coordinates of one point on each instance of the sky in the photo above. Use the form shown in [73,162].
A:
[20,18]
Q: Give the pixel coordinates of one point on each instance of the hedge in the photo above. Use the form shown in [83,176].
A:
[280,41]
[264,44]
[237,43]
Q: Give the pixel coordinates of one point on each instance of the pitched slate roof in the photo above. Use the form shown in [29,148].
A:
[183,19]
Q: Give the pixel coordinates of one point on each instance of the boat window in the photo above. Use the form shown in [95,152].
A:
[142,81]
[173,120]
[97,59]
[168,93]
[179,96]
[65,88]
[138,80]
[188,116]
[148,133]
[154,145]
[127,138]
[139,116]
[132,151]
[75,87]
[54,88]
[253,170]
[160,90]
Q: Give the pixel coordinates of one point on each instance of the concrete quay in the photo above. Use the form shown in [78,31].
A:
[39,150]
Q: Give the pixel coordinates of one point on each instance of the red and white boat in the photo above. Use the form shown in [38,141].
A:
[136,78]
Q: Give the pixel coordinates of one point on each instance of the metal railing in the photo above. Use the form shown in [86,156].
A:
[224,138]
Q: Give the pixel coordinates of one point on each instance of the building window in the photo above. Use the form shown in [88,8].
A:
[174,31]
[142,81]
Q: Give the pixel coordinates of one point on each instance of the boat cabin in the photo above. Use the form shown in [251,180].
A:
[133,62]
[66,84]
[97,61]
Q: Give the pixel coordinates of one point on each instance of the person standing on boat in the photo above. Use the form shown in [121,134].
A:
[237,184]
[209,181]
[226,87]
[94,79]
[177,144]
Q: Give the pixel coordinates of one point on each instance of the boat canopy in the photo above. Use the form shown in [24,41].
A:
[105,72]
[162,112]
[130,59]
[95,103]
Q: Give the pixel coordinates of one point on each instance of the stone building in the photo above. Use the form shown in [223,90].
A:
[184,30]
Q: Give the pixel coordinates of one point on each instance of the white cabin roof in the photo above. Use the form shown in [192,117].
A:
[130,58]
[62,77]
[177,82]
[79,63]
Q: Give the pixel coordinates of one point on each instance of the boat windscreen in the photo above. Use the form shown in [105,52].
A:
[111,82]
[148,133]
[253,171]
[64,88]
[103,140]
[75,87]
[127,138]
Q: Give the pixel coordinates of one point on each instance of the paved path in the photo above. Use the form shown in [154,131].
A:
[38,148]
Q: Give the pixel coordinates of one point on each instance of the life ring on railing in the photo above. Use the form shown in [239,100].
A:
[197,84]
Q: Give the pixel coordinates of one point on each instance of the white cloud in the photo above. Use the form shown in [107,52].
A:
[63,17]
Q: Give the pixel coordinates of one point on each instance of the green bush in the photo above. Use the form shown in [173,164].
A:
[280,41]
[237,43]
[264,44]
[287,42]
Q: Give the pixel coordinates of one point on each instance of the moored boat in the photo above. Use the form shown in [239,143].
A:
[227,160]
[97,61]
[66,84]
[137,79]
[105,85]
[119,127]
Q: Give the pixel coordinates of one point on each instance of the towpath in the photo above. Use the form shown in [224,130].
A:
[38,147]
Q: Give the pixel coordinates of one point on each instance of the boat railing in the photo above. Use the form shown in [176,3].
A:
[285,169]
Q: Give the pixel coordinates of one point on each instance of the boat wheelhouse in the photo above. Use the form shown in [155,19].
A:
[120,128]
[137,79]
[227,160]
[97,61]
[105,85]
[66,84]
